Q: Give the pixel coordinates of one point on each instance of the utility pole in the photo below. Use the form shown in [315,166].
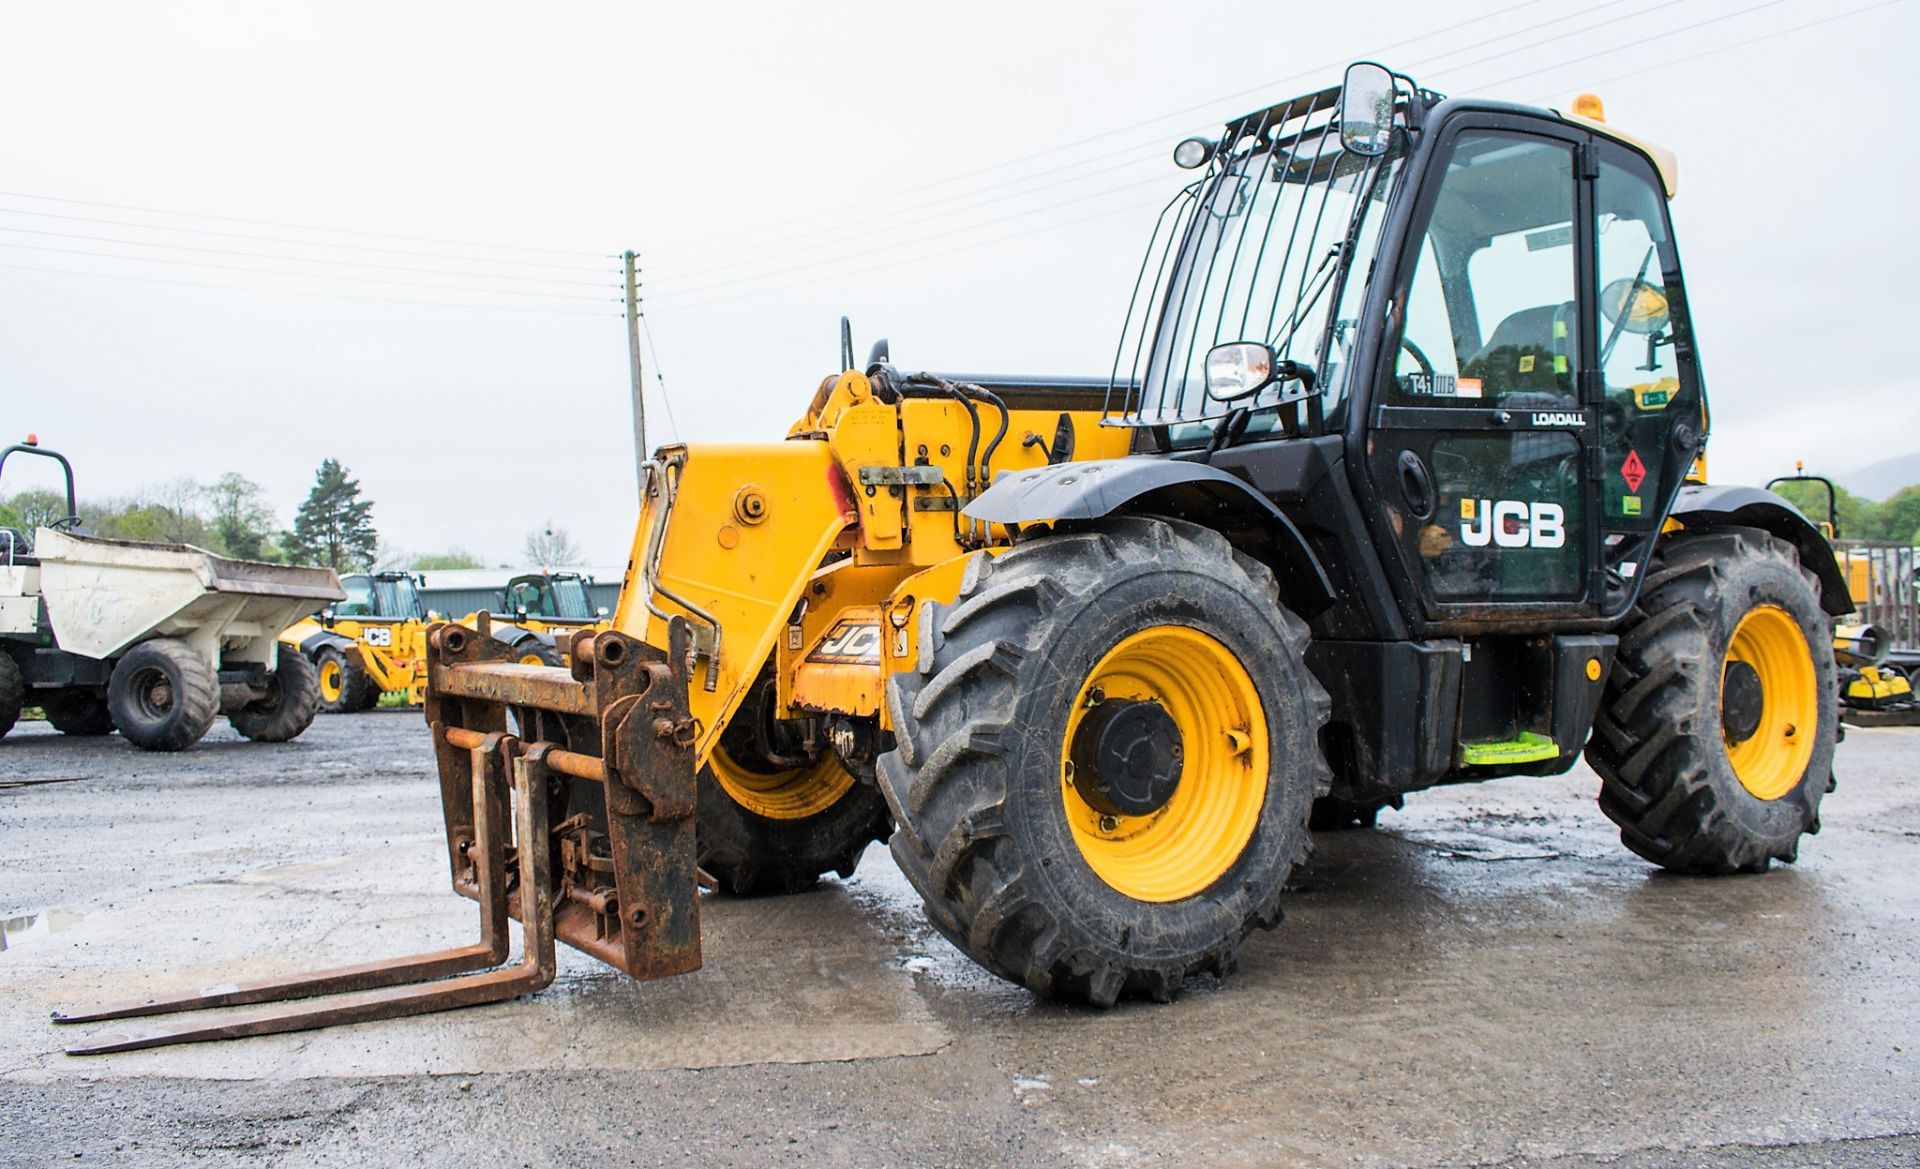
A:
[633,366]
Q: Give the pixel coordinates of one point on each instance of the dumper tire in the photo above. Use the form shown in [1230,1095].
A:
[78,711]
[343,687]
[13,693]
[287,708]
[996,832]
[163,695]
[1705,771]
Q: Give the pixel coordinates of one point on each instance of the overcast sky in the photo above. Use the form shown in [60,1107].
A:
[975,182]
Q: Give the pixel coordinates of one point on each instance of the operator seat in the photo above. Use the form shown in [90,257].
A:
[1531,352]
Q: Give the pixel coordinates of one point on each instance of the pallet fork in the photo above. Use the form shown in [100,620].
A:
[578,822]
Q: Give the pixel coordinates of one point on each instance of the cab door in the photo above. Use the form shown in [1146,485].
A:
[1483,429]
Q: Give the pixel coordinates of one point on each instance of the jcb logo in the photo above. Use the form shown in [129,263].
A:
[378,635]
[849,641]
[1512,523]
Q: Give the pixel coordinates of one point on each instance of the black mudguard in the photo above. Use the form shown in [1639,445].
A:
[1141,485]
[1722,506]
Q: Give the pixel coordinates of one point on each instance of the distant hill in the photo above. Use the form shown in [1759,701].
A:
[1883,478]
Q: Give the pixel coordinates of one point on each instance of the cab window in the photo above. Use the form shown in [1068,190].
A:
[1491,317]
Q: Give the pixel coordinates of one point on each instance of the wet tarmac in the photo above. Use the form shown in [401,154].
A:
[1488,979]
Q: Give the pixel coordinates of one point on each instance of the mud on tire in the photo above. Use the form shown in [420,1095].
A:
[1659,746]
[975,781]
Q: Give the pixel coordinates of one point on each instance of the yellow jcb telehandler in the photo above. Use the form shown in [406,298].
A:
[1394,483]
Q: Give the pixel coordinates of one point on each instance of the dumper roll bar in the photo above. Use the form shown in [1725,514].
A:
[73,509]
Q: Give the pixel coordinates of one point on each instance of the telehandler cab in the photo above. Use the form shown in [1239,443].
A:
[1396,481]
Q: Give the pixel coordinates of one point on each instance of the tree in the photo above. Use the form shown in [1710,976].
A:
[550,545]
[1900,516]
[1859,518]
[242,521]
[32,508]
[334,526]
[451,559]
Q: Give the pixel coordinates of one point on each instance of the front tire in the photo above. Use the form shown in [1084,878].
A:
[776,827]
[1106,759]
[287,708]
[1717,728]
[80,712]
[343,686]
[163,695]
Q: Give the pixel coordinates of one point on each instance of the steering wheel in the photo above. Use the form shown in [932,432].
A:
[1419,358]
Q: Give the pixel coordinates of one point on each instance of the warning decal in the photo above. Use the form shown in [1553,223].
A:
[1633,470]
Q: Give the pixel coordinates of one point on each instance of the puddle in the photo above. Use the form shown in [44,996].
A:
[15,931]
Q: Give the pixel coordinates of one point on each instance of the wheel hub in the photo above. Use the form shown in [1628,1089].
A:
[1742,702]
[1127,757]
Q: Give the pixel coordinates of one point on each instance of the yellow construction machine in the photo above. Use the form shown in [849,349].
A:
[1388,488]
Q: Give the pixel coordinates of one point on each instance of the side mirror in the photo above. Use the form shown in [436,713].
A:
[604,611]
[1366,109]
[1238,369]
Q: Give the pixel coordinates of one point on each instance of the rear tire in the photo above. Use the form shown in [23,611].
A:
[163,696]
[292,699]
[13,693]
[1716,732]
[997,829]
[533,651]
[78,711]
[1332,814]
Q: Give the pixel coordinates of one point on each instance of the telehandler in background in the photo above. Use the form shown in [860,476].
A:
[374,642]
[1397,480]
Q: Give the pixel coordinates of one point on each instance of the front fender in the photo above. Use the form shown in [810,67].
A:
[1146,485]
[1703,506]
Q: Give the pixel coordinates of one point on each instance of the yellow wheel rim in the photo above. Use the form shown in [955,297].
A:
[532,659]
[330,687]
[793,794]
[1771,761]
[1202,829]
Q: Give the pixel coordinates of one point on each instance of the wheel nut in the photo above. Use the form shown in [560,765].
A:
[1108,823]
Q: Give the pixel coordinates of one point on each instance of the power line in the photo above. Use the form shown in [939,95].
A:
[510,308]
[418,239]
[280,239]
[1725,16]
[915,259]
[108,239]
[303,275]
[1729,48]
[1202,107]
[659,377]
[850,232]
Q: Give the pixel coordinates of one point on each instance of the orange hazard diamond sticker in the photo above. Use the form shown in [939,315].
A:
[1633,471]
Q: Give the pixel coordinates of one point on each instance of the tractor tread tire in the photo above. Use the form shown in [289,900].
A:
[1025,908]
[537,647]
[751,855]
[196,696]
[78,711]
[13,693]
[1657,744]
[293,698]
[355,687]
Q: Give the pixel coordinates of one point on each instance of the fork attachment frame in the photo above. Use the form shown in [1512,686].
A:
[580,826]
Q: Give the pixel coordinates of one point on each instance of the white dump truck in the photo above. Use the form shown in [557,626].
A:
[152,640]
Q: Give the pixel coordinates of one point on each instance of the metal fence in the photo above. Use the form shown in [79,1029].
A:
[1885,592]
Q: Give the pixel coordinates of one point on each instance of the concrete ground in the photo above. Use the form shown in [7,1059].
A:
[1488,979]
